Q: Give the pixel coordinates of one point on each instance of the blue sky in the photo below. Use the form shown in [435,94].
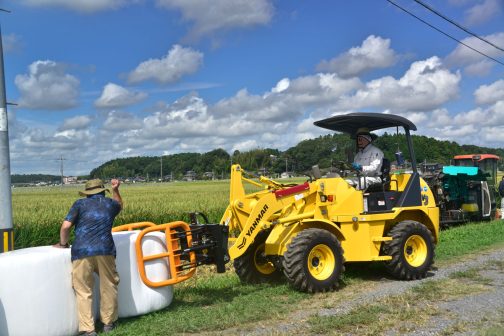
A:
[96,80]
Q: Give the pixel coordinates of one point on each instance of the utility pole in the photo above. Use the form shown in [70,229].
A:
[161,172]
[61,169]
[6,227]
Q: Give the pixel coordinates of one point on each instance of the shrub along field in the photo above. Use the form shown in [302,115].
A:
[209,301]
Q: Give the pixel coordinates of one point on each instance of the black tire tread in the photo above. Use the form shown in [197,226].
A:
[294,259]
[245,268]
[398,266]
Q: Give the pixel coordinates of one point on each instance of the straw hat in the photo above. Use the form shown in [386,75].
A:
[93,187]
[364,131]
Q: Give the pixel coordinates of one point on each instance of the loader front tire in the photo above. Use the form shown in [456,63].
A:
[314,261]
[253,267]
[411,249]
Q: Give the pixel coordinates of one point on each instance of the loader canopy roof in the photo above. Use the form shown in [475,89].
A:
[350,123]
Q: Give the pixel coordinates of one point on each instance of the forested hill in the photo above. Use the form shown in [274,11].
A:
[323,151]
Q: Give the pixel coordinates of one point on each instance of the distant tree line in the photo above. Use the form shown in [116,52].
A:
[35,178]
[174,166]
[325,151]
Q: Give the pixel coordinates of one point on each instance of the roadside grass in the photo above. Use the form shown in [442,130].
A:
[492,325]
[493,331]
[400,313]
[462,241]
[497,264]
[215,303]
[472,274]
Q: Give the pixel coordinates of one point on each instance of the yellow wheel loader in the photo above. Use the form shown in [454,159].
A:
[305,233]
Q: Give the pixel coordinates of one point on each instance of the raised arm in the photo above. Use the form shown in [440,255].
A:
[115,183]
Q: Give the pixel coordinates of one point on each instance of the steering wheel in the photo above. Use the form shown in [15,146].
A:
[343,165]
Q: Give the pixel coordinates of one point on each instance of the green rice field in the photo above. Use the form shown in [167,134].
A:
[39,211]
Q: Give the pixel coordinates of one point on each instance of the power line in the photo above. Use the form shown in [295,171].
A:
[442,32]
[457,25]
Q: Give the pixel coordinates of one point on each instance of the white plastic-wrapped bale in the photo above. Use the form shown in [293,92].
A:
[36,295]
[135,298]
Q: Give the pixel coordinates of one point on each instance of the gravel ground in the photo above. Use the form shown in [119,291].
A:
[468,315]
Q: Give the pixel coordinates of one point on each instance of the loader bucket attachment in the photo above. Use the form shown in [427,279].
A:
[182,263]
[132,226]
[187,247]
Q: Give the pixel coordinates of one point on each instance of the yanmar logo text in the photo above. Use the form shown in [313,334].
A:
[253,226]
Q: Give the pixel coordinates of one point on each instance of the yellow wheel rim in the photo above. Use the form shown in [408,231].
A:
[261,264]
[415,250]
[321,262]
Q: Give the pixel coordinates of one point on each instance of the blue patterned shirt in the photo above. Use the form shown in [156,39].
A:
[92,218]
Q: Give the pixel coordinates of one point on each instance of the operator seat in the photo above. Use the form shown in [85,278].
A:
[384,185]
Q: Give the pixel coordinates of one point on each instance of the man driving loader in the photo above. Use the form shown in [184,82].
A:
[368,159]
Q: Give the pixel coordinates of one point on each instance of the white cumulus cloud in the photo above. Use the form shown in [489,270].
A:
[11,42]
[114,96]
[474,62]
[83,6]
[483,12]
[76,123]
[47,86]
[179,62]
[245,145]
[121,121]
[481,126]
[425,86]
[375,52]
[489,94]
[210,16]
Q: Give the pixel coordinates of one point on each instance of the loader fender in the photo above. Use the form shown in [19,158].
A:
[325,224]
[281,236]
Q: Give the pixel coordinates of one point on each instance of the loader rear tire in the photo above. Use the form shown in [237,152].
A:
[253,267]
[411,249]
[314,261]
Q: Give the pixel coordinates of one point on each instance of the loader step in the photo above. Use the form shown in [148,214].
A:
[382,258]
[381,239]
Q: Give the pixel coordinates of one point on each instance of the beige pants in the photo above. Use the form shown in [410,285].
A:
[83,283]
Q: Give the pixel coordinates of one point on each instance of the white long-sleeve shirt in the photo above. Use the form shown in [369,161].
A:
[370,158]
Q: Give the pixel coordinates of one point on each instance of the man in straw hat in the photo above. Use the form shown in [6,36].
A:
[368,159]
[93,251]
